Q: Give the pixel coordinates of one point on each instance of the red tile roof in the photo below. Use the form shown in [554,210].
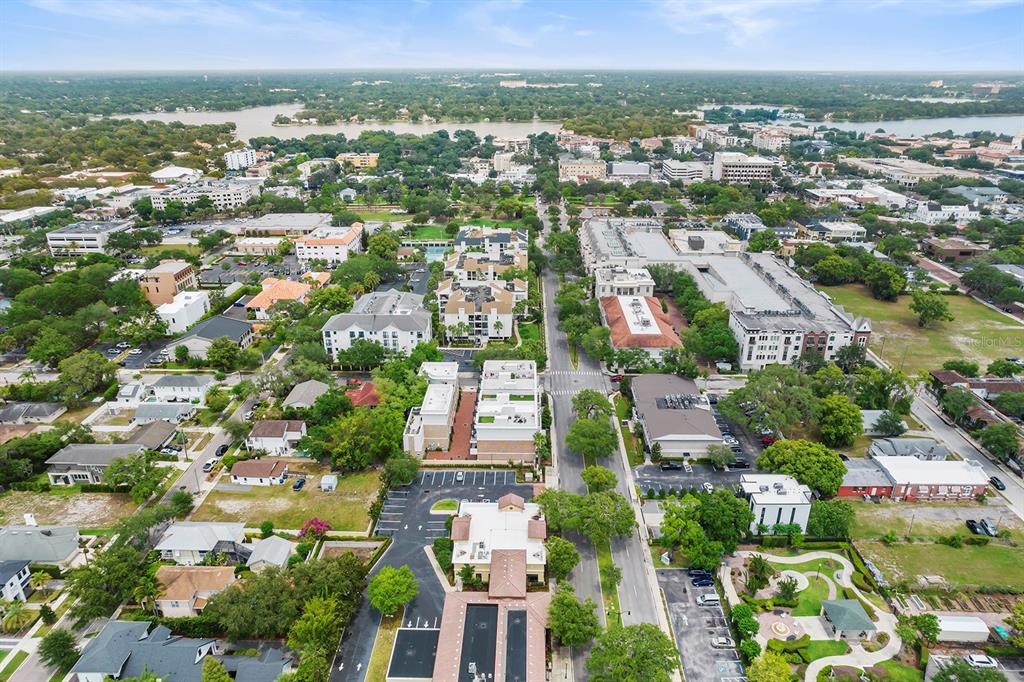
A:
[508,574]
[366,396]
[622,337]
[511,500]
[460,527]
[537,529]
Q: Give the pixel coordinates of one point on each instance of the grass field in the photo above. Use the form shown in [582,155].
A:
[623,410]
[377,669]
[12,664]
[992,565]
[809,600]
[382,216]
[528,331]
[347,508]
[900,672]
[823,648]
[92,510]
[977,333]
[430,232]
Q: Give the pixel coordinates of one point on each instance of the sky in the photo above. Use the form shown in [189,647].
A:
[805,35]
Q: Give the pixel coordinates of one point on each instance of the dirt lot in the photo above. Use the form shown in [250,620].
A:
[362,550]
[86,510]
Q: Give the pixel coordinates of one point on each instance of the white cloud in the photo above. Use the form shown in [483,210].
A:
[489,19]
[740,20]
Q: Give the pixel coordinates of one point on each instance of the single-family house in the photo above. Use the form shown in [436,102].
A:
[57,545]
[275,436]
[184,590]
[199,339]
[175,413]
[181,388]
[187,543]
[85,463]
[303,395]
[277,290]
[271,551]
[31,413]
[847,619]
[14,580]
[130,395]
[153,435]
[264,471]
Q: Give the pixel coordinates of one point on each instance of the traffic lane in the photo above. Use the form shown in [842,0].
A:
[191,479]
[694,626]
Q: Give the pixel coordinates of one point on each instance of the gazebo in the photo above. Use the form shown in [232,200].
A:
[847,619]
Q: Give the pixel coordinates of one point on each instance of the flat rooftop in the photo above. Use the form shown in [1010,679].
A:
[414,653]
[775,489]
[438,399]
[90,227]
[286,220]
[912,471]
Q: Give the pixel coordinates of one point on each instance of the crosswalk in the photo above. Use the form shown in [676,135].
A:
[574,372]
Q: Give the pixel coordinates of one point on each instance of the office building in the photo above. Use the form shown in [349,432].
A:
[740,168]
[240,159]
[686,172]
[581,170]
[905,172]
[358,160]
[502,161]
[507,412]
[224,194]
[184,310]
[953,249]
[161,283]
[283,224]
[776,500]
[626,242]
[673,413]
[638,323]
[332,245]
[620,281]
[836,231]
[486,534]
[82,239]
[394,319]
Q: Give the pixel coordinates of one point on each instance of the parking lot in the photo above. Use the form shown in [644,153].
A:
[230,269]
[128,360]
[694,627]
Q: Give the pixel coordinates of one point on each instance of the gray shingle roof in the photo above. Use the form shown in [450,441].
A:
[659,421]
[38,544]
[14,412]
[200,536]
[168,411]
[153,435]
[184,381]
[99,454]
[379,310]
[273,550]
[10,568]
[306,393]
[218,326]
[847,614]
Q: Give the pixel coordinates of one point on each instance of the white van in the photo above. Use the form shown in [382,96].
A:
[709,599]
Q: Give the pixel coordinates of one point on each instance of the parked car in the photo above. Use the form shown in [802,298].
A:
[981,661]
[671,466]
[702,582]
[222,450]
[168,451]
[616,377]
[695,572]
[987,528]
[135,351]
[459,477]
[740,464]
[124,344]
[768,440]
[997,483]
[298,484]
[208,466]
[722,642]
[972,526]
[248,416]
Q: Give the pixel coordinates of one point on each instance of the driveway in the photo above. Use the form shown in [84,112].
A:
[406,518]
[694,626]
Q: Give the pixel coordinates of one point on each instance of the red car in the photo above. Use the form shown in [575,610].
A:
[768,440]
[616,377]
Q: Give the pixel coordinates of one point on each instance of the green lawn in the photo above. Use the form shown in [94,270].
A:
[12,665]
[995,565]
[678,559]
[445,505]
[899,672]
[608,591]
[823,566]
[431,232]
[810,599]
[529,331]
[823,648]
[377,669]
[347,508]
[191,249]
[977,333]
[382,216]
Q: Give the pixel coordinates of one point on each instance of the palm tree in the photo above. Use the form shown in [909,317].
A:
[759,572]
[39,581]
[145,594]
[16,615]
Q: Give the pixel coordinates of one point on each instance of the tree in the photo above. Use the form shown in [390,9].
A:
[562,557]
[635,653]
[223,354]
[591,404]
[604,515]
[876,388]
[592,438]
[401,469]
[851,357]
[956,401]
[679,528]
[965,367]
[959,670]
[839,421]
[109,579]
[50,347]
[759,572]
[137,473]
[889,424]
[318,629]
[1010,403]
[787,588]
[778,397]
[720,455]
[39,580]
[724,517]
[181,354]
[266,529]
[1016,621]
[59,649]
[830,380]
[572,623]
[929,307]
[885,280]
[1004,368]
[769,667]
[392,588]
[84,373]
[266,606]
[313,667]
[764,240]
[830,519]
[181,503]
[1001,440]
[597,478]
[812,464]
[214,671]
[750,649]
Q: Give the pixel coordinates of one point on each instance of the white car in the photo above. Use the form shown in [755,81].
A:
[708,488]
[981,661]
[123,344]
[722,642]
[135,351]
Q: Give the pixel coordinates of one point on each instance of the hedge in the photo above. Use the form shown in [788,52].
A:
[104,488]
[31,487]
[50,569]
[862,582]
[779,646]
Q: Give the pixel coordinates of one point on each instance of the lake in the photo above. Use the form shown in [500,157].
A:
[256,122]
[1001,125]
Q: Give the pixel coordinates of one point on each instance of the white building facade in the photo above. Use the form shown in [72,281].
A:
[187,308]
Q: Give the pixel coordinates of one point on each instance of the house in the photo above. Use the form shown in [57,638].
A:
[184,310]
[181,388]
[184,590]
[776,500]
[188,542]
[503,541]
[278,290]
[130,395]
[31,413]
[507,412]
[85,463]
[14,580]
[56,545]
[396,320]
[259,472]
[429,426]
[174,413]
[869,418]
[129,649]
[673,413]
[921,448]
[847,619]
[303,395]
[199,339]
[364,396]
[275,436]
[153,435]
[272,551]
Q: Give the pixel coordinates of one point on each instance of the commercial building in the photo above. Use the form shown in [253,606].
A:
[774,314]
[429,426]
[629,171]
[933,213]
[620,281]
[638,323]
[359,160]
[867,194]
[330,244]
[184,310]
[82,239]
[686,172]
[740,168]
[770,141]
[905,172]
[162,282]
[283,224]
[673,413]
[224,194]
[626,242]
[909,478]
[953,249]
[776,500]
[86,463]
[494,242]
[185,590]
[837,231]
[745,225]
[507,412]
[176,174]
[495,537]
[394,319]
[703,242]
[479,311]
[581,170]
[240,159]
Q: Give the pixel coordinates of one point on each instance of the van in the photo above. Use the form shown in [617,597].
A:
[709,600]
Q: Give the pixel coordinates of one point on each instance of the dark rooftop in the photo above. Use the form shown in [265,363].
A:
[515,647]
[414,653]
[479,639]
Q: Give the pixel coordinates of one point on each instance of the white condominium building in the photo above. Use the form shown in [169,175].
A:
[770,141]
[507,411]
[776,500]
[187,308]
[240,159]
[620,281]
[741,168]
[225,194]
[686,171]
[393,319]
[330,244]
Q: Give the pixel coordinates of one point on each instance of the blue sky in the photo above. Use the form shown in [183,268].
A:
[816,35]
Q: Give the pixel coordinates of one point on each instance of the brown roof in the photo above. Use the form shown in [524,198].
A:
[977,413]
[460,528]
[275,290]
[622,337]
[537,529]
[12,431]
[366,396]
[948,376]
[508,574]
[181,583]
[275,428]
[259,468]
[511,500]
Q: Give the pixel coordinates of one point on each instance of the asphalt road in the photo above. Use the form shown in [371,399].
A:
[407,519]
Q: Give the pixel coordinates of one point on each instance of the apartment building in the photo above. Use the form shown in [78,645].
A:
[224,194]
[493,242]
[84,238]
[868,193]
[770,141]
[719,135]
[620,281]
[502,161]
[626,242]
[240,159]
[740,168]
[933,213]
[358,160]
[837,231]
[466,268]
[184,310]
[507,412]
[394,319]
[580,170]
[429,426]
[330,244]
[479,311]
[687,172]
[161,283]
[776,500]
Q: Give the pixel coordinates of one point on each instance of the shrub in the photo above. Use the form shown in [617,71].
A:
[443,553]
[978,540]
[861,582]
[315,529]
[954,541]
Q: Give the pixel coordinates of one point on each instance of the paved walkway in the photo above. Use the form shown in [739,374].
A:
[858,657]
[462,428]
